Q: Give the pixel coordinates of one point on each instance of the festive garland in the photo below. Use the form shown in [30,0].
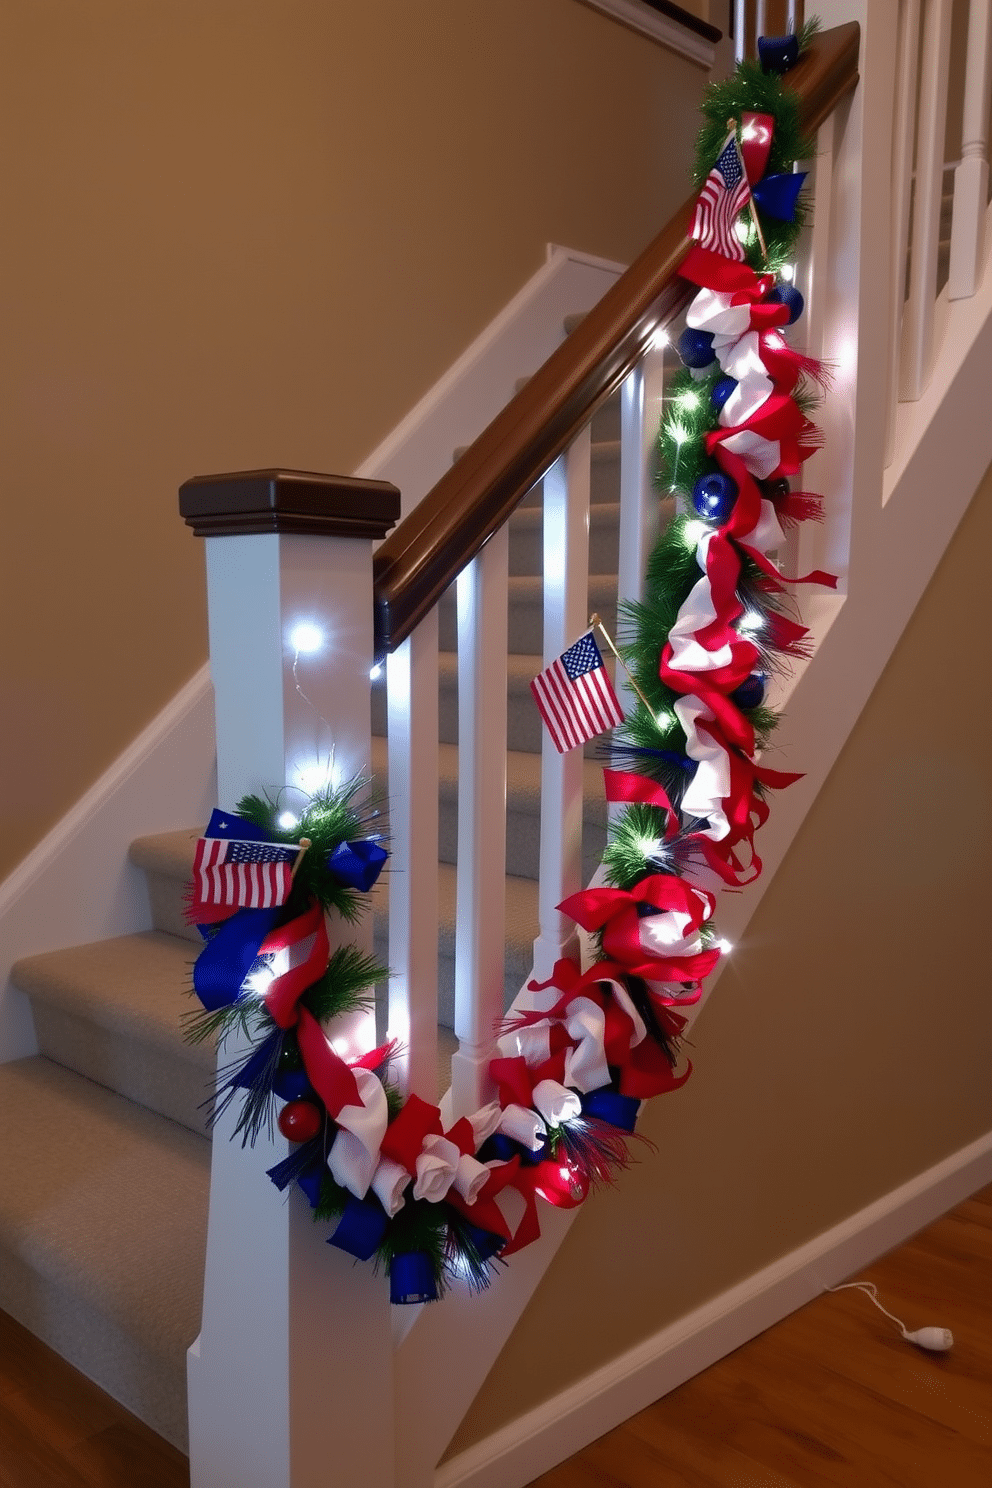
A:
[586,1047]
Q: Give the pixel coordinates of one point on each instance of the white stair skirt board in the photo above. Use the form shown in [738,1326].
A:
[554,1430]
[650,22]
[166,777]
[77,885]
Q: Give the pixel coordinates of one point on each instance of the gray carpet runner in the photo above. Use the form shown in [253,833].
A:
[104,1169]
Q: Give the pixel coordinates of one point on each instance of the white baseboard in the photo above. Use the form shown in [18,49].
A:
[554,1430]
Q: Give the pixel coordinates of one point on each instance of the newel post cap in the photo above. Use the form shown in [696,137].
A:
[298,501]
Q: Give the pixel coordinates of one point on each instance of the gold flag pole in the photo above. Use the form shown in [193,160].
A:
[304,844]
[595,620]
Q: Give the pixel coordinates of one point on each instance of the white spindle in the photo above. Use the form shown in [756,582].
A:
[413,882]
[566,590]
[971,178]
[641,400]
[917,339]
[760,20]
[903,126]
[481,912]
[740,30]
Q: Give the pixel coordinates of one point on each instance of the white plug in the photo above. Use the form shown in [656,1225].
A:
[937,1339]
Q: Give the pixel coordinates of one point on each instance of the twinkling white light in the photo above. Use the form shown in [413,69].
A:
[688,400]
[376,672]
[693,532]
[678,431]
[664,719]
[306,638]
[788,272]
[316,778]
[724,947]
[750,622]
[660,339]
[287,821]
[651,847]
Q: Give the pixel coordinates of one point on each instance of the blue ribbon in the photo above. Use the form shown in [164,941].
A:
[360,1229]
[609,1105]
[308,1157]
[777,195]
[229,956]
[411,1278]
[257,1063]
[357,864]
[486,1242]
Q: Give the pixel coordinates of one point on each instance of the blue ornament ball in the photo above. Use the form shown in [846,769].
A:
[751,693]
[696,348]
[788,294]
[713,496]
[722,391]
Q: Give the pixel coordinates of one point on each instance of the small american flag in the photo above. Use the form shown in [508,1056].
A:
[237,871]
[724,195]
[575,697]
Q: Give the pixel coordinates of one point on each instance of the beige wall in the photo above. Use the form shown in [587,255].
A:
[253,232]
[847,1047]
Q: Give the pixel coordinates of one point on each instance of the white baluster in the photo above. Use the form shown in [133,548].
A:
[903,125]
[412,677]
[760,20]
[481,914]
[971,178]
[917,338]
[740,30]
[566,591]
[641,406]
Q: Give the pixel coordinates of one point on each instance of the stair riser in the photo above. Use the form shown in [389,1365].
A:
[163,1080]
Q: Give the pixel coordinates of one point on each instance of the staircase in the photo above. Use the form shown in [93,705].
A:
[104,1178]
[110,1274]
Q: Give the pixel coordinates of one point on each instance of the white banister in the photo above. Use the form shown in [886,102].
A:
[917,334]
[481,881]
[412,682]
[971,177]
[566,589]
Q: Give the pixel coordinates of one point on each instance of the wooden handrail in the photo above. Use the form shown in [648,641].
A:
[472,500]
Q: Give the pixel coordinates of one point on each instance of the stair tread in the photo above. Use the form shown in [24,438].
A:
[105,1201]
[523,777]
[131,985]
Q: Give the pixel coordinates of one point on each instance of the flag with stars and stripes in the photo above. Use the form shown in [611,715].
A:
[575,696]
[723,197]
[236,866]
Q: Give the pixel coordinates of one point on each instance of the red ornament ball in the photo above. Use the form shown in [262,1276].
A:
[299,1120]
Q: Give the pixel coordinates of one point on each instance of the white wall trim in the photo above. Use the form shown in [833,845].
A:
[533,1443]
[669,33]
[77,885]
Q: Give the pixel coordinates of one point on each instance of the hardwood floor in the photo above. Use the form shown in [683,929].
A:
[833,1395]
[830,1396]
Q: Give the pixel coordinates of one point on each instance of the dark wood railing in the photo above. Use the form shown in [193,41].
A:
[472,500]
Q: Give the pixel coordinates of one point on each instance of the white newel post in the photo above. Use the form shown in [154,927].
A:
[290,1379]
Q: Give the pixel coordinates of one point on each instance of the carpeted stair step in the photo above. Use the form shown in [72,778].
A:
[526,612]
[113,1011]
[103,1219]
[523,809]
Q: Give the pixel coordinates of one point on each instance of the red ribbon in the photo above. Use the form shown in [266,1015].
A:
[756,141]
[327,1072]
[614,911]
[404,1139]
[632,789]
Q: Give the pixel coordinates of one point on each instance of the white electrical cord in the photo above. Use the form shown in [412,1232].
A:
[938,1340]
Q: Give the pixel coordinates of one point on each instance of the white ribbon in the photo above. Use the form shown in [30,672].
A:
[354,1154]
[532,1043]
[388,1182]
[436,1169]
[710,785]
[760,455]
[711,310]
[470,1175]
[485,1121]
[742,360]
[555,1103]
[663,934]
[524,1126]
